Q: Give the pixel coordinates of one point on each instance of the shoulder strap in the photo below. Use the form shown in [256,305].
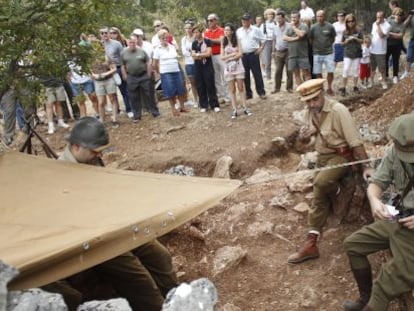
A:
[410,183]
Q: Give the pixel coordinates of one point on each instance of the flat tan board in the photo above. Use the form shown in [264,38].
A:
[59,218]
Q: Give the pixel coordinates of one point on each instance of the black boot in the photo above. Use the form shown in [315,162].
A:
[363,278]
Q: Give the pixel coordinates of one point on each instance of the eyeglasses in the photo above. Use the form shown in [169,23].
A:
[155,26]
[113,32]
[104,32]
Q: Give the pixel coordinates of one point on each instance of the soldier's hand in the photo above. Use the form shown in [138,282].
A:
[407,222]
[368,171]
[306,132]
[379,210]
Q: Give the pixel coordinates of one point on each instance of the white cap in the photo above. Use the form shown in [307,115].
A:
[138,32]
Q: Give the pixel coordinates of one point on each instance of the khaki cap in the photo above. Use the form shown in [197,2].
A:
[310,89]
[402,133]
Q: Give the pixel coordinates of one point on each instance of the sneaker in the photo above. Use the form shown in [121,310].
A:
[177,106]
[115,124]
[136,119]
[406,74]
[369,85]
[380,78]
[203,110]
[342,91]
[216,109]
[62,124]
[51,128]
[395,80]
[384,85]
[263,96]
[108,109]
[130,114]
[97,116]
[363,85]
[234,114]
[188,103]
[227,100]
[356,90]
[247,112]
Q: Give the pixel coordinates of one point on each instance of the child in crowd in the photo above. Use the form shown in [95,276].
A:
[364,65]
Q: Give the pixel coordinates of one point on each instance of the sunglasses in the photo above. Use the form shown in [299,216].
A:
[104,32]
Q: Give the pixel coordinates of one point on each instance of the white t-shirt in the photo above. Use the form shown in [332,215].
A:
[147,47]
[379,45]
[307,13]
[250,38]
[186,45]
[167,57]
[365,55]
[339,28]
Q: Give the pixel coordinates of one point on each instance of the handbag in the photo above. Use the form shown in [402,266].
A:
[117,79]
[231,66]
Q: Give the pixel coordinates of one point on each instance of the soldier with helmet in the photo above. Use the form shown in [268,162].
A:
[394,232]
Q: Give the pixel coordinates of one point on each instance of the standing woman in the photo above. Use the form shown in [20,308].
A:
[231,53]
[339,26]
[395,43]
[186,46]
[204,71]
[166,64]
[118,36]
[351,41]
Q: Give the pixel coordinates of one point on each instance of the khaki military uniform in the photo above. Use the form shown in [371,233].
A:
[397,275]
[336,130]
[143,276]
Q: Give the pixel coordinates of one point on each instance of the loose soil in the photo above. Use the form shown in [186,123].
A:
[263,280]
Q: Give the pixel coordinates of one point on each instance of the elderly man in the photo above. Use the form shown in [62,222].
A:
[252,41]
[337,141]
[216,33]
[322,37]
[143,276]
[137,72]
[396,233]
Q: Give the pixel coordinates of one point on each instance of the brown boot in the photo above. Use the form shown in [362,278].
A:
[363,278]
[308,251]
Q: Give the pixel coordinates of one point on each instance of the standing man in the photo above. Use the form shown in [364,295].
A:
[137,72]
[215,33]
[306,12]
[144,275]
[113,49]
[280,51]
[296,37]
[337,141]
[396,276]
[268,28]
[252,41]
[322,36]
[379,34]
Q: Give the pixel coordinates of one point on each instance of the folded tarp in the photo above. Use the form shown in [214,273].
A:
[59,218]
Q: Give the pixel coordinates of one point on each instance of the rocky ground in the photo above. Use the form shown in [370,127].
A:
[252,232]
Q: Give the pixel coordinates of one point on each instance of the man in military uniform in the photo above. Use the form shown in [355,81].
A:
[144,275]
[337,141]
[397,275]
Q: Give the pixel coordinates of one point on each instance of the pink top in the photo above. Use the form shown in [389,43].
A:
[239,69]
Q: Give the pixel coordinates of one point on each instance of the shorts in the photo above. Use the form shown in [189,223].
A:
[410,51]
[377,61]
[229,77]
[351,67]
[364,71]
[296,63]
[172,84]
[338,53]
[189,70]
[105,87]
[320,60]
[55,94]
[87,87]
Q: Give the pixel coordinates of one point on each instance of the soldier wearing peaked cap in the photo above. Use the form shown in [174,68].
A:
[395,233]
[337,141]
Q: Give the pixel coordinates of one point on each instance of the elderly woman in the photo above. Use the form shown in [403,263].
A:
[204,71]
[165,61]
